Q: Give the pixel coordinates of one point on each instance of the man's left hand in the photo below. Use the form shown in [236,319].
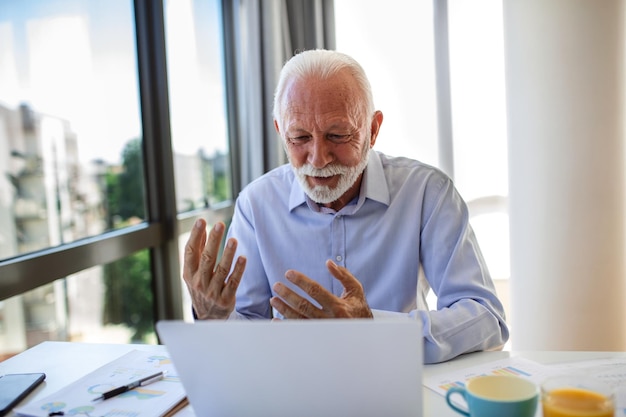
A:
[351,304]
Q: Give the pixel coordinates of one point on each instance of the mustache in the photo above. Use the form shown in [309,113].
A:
[327,171]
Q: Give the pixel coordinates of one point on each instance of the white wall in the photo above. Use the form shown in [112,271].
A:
[564,69]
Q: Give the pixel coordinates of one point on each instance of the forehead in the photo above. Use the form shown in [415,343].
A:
[315,100]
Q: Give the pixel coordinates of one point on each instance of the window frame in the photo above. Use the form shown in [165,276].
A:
[160,233]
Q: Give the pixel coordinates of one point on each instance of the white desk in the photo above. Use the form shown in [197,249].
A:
[65,362]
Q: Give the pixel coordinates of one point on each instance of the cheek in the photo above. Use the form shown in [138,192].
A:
[351,155]
[296,155]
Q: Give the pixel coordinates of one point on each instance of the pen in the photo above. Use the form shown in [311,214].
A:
[124,388]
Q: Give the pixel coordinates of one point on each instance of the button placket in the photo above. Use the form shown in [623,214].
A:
[338,248]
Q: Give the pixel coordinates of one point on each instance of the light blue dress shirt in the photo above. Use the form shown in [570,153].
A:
[408,219]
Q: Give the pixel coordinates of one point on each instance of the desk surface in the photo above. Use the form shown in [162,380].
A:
[65,362]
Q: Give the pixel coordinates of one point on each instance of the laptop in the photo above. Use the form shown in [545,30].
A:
[298,368]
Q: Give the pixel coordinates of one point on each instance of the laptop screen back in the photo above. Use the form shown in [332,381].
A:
[298,367]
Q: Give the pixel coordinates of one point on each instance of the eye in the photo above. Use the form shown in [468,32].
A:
[298,139]
[336,138]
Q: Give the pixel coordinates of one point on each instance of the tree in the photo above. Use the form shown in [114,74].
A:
[128,297]
[128,281]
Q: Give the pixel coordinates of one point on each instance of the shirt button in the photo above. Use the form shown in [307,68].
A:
[338,258]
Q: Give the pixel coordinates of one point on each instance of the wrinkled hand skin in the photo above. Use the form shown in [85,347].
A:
[212,289]
[351,304]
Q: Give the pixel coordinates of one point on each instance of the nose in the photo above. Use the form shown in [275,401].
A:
[320,152]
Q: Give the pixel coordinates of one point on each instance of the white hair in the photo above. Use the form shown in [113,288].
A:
[323,64]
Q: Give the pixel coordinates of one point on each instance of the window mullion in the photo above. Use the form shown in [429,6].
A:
[442,75]
[158,157]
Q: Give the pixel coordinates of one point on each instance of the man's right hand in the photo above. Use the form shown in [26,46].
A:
[212,289]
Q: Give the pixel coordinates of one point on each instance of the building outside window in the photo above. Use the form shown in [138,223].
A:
[72,154]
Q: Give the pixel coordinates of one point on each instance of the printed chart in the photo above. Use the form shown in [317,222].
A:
[511,366]
[79,398]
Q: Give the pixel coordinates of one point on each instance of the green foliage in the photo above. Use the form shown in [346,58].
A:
[131,201]
[128,297]
[128,282]
[125,187]
[113,197]
[221,190]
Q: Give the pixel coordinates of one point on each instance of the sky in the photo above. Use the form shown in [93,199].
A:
[76,60]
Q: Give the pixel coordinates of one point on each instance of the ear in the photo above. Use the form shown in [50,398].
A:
[377,121]
[276,126]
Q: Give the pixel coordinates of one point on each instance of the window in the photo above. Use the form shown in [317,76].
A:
[70,114]
[479,123]
[70,133]
[197,98]
[89,172]
[399,58]
[197,102]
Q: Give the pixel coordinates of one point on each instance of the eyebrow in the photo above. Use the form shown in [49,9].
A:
[341,126]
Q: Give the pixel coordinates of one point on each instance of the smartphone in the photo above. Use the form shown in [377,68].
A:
[15,387]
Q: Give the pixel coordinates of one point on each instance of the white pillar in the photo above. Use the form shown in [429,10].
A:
[565,73]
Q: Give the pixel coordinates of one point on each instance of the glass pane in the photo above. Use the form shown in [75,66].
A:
[478,98]
[195,68]
[398,57]
[479,123]
[106,304]
[70,128]
[127,301]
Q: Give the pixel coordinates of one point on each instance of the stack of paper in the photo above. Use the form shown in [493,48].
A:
[156,399]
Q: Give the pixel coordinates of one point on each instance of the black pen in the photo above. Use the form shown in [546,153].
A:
[139,383]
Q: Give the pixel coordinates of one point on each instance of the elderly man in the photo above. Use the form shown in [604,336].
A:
[343,231]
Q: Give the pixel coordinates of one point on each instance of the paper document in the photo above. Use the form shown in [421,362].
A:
[77,399]
[521,367]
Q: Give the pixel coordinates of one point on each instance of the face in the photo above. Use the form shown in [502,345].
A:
[327,137]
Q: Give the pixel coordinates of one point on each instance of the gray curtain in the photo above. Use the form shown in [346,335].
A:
[260,36]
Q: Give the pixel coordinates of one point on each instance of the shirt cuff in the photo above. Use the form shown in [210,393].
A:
[387,315]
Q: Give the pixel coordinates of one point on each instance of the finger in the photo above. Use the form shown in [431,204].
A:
[222,269]
[193,249]
[350,284]
[285,309]
[312,288]
[297,303]
[230,289]
[209,255]
[353,293]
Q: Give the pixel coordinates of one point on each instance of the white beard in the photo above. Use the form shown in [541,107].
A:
[322,194]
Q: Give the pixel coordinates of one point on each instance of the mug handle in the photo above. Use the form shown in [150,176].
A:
[460,391]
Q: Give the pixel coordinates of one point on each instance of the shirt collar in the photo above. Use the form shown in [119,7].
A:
[374,186]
